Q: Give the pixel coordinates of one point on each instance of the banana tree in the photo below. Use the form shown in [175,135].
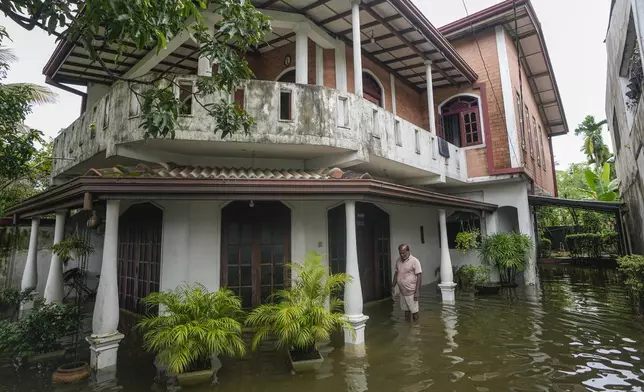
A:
[600,186]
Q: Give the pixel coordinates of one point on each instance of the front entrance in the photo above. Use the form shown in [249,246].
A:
[374,249]
[256,245]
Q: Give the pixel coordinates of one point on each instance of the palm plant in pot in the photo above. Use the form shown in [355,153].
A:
[299,318]
[194,327]
[508,252]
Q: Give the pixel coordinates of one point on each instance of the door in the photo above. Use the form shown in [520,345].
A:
[255,249]
[139,255]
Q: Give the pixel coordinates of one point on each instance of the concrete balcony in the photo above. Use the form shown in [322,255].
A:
[321,127]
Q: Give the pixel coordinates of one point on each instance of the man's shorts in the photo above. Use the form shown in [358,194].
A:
[408,304]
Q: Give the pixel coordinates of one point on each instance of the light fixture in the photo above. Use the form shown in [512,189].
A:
[373,40]
[251,204]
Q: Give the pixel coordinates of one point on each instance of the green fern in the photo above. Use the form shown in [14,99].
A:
[299,317]
[193,326]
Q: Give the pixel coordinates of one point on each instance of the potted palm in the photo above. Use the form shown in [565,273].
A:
[299,318]
[508,252]
[193,328]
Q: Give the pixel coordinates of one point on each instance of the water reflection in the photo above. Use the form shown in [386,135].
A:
[574,331]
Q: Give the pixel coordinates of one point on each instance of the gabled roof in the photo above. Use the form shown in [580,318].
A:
[522,24]
[395,35]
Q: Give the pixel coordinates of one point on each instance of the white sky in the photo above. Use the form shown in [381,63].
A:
[574,32]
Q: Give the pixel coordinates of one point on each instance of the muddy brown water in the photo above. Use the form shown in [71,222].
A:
[574,332]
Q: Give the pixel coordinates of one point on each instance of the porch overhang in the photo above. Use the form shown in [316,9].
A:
[359,188]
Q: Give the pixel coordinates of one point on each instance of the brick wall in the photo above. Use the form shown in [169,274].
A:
[541,174]
[269,65]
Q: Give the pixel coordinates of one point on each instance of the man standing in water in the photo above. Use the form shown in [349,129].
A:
[408,280]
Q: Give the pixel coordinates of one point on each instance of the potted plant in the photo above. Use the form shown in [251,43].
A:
[471,277]
[299,318]
[508,252]
[193,328]
[72,247]
[36,336]
[468,240]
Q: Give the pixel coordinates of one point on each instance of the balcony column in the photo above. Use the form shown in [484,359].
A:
[302,54]
[357,47]
[204,66]
[430,97]
[353,290]
[30,274]
[54,286]
[447,284]
[105,338]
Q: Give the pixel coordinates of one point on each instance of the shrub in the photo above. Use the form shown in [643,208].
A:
[472,275]
[10,300]
[591,245]
[545,247]
[467,241]
[195,326]
[508,252]
[300,319]
[632,267]
[39,330]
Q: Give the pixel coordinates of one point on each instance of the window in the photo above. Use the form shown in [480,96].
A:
[457,222]
[536,140]
[417,140]
[375,132]
[135,104]
[460,121]
[616,136]
[285,105]
[185,97]
[106,112]
[372,90]
[238,98]
[543,152]
[521,127]
[527,124]
[397,134]
[343,112]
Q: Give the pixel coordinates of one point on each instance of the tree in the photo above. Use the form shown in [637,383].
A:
[152,24]
[600,185]
[596,151]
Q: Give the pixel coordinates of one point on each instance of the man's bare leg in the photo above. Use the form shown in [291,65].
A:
[416,316]
[407,315]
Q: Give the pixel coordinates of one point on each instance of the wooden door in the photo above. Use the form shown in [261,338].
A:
[255,249]
[139,255]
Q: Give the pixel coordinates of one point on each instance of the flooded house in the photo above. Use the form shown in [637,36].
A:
[372,128]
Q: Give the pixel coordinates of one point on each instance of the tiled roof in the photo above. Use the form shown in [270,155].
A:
[170,170]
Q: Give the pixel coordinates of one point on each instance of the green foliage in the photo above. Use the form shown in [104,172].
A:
[39,331]
[594,147]
[468,240]
[11,297]
[508,252]
[299,317]
[194,326]
[600,186]
[472,275]
[153,24]
[632,267]
[72,246]
[545,247]
[591,245]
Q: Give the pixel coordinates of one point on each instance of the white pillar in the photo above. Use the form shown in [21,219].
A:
[430,97]
[105,337]
[447,285]
[54,286]
[357,47]
[302,54]
[319,65]
[392,80]
[341,66]
[30,274]
[353,290]
[204,67]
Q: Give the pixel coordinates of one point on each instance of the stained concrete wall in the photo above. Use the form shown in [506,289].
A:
[626,126]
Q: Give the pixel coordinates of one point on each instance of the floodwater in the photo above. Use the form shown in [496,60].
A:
[574,332]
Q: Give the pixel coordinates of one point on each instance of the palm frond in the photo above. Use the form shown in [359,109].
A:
[37,94]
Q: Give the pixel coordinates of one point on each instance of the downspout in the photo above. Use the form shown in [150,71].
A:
[552,163]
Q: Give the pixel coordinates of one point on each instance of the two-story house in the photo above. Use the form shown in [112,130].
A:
[405,137]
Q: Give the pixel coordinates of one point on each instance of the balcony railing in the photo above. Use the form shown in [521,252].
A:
[284,113]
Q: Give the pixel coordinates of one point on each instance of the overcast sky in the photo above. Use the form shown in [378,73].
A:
[574,32]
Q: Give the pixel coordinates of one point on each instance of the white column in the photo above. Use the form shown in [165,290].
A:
[341,66]
[319,65]
[357,47]
[430,97]
[204,67]
[30,274]
[105,337]
[447,285]
[353,290]
[392,80]
[302,54]
[54,286]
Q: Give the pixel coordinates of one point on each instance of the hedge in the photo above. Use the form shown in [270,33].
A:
[591,245]
[545,247]
[632,268]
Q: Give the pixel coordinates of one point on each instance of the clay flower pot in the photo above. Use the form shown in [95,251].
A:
[71,372]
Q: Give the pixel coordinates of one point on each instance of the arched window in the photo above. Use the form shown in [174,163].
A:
[460,122]
[287,77]
[372,90]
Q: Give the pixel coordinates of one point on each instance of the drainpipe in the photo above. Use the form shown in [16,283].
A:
[552,164]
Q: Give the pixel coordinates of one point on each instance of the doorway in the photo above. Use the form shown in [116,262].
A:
[256,246]
[374,248]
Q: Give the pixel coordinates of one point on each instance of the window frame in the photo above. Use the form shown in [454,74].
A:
[461,113]
[521,124]
[530,141]
[186,82]
[536,140]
